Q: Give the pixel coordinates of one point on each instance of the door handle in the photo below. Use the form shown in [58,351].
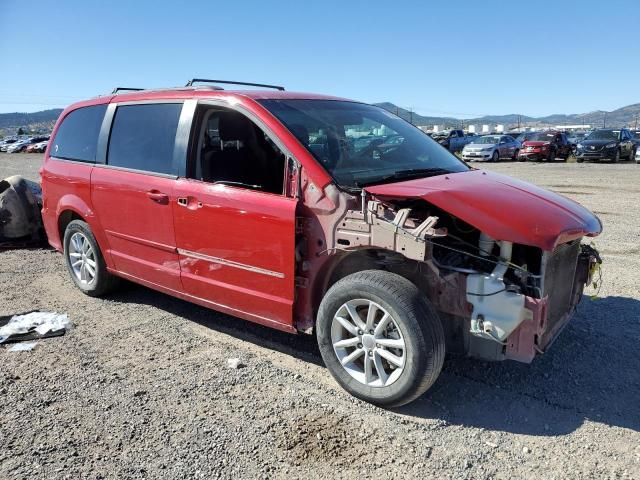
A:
[158,197]
[189,202]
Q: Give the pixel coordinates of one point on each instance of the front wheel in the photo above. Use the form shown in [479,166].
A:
[380,338]
[551,156]
[616,159]
[515,154]
[495,157]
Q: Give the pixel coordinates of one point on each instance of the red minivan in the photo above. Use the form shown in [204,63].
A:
[293,210]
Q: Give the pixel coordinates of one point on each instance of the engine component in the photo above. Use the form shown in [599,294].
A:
[497,311]
[380,227]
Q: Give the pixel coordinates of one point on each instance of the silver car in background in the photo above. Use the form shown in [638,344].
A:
[491,148]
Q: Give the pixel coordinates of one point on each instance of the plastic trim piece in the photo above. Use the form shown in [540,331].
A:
[230,263]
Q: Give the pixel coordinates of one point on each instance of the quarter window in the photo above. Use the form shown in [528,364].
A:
[143,137]
[77,136]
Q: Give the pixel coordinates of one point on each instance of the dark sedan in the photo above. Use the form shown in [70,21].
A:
[607,144]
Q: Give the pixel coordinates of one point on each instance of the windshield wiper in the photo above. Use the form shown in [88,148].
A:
[405,174]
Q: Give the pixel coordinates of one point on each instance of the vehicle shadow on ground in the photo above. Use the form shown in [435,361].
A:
[590,372]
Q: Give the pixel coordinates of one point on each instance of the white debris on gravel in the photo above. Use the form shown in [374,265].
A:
[23,347]
[41,322]
[234,363]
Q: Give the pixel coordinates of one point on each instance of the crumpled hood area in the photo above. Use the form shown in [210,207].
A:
[502,207]
[534,143]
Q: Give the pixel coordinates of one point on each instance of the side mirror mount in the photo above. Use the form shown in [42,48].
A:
[294,178]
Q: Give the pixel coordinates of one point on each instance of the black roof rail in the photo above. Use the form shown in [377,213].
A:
[204,80]
[118,89]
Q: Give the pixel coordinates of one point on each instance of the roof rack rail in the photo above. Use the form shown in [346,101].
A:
[204,80]
[118,89]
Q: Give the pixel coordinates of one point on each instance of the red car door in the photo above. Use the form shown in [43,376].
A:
[134,210]
[234,225]
[132,193]
[237,249]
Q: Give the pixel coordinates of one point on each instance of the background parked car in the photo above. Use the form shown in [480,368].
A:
[6,142]
[546,146]
[491,148]
[40,147]
[17,146]
[453,140]
[607,144]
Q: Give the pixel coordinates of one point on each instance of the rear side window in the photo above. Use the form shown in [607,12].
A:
[77,137]
[143,137]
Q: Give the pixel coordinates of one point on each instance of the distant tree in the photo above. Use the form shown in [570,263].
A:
[20,131]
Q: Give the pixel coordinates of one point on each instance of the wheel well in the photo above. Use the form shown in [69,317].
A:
[366,259]
[64,219]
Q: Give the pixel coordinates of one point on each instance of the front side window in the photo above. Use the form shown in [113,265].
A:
[143,137]
[360,144]
[230,149]
[77,136]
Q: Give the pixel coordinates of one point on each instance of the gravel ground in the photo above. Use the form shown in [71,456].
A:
[140,388]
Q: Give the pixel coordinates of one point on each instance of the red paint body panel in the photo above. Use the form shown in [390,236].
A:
[501,206]
[66,187]
[138,228]
[533,143]
[249,235]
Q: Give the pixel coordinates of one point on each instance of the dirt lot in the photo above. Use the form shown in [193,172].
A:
[141,388]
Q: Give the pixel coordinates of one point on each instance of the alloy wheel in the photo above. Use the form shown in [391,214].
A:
[82,258]
[368,343]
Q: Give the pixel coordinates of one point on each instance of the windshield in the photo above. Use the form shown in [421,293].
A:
[604,135]
[542,137]
[360,144]
[489,139]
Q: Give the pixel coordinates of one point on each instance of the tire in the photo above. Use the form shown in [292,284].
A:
[616,159]
[76,236]
[412,319]
[550,156]
[632,155]
[579,160]
[496,156]
[515,154]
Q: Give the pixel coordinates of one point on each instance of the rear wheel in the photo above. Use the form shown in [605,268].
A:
[85,262]
[380,338]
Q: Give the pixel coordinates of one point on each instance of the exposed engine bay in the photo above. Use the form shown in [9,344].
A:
[497,299]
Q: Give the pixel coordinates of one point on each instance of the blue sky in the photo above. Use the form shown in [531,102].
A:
[461,59]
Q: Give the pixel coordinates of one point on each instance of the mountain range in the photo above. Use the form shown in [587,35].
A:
[621,117]
[42,121]
[625,116]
